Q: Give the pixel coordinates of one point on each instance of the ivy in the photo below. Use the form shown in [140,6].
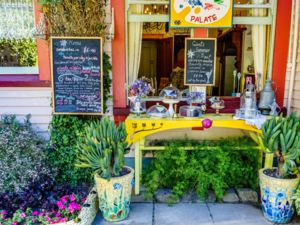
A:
[232,164]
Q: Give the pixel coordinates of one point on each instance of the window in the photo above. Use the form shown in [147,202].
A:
[155,50]
[18,51]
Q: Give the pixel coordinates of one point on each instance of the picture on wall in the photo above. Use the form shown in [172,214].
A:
[201,13]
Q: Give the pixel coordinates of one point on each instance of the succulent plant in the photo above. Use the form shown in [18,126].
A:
[103,148]
[282,137]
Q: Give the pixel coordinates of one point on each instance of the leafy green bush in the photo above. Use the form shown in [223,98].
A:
[215,165]
[23,156]
[25,49]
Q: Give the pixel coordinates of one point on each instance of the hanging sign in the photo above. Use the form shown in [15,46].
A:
[200,61]
[201,13]
[76,68]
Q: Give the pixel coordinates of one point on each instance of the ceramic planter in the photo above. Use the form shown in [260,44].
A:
[88,211]
[276,197]
[114,196]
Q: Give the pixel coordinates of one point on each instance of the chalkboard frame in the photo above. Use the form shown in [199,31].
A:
[52,75]
[215,58]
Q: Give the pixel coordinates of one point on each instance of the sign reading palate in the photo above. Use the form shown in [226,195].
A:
[200,56]
[76,66]
[201,13]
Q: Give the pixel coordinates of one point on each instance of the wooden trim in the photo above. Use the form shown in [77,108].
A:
[40,83]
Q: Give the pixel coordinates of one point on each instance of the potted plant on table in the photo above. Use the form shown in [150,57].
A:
[103,150]
[280,136]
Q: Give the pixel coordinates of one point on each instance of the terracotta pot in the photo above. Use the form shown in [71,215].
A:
[114,196]
[276,197]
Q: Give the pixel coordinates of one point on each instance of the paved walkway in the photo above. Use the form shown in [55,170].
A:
[192,214]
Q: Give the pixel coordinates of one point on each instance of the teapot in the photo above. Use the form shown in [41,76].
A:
[267,96]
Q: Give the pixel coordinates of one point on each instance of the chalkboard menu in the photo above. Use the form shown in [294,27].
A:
[200,56]
[76,66]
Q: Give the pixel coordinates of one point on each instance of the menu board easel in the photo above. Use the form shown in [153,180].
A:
[77,77]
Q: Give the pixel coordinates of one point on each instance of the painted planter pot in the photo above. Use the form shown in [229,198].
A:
[276,197]
[88,211]
[114,196]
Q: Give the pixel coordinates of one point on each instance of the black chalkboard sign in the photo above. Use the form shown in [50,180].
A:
[200,60]
[76,67]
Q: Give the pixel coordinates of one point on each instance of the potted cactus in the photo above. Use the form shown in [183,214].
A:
[280,136]
[103,150]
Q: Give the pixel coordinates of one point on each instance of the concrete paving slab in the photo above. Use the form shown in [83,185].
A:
[140,214]
[182,214]
[237,214]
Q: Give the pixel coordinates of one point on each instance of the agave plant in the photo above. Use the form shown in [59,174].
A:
[282,137]
[103,148]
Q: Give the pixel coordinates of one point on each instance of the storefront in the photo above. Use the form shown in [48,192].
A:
[142,44]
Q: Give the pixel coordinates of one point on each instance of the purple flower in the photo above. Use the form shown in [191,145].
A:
[23,215]
[35,213]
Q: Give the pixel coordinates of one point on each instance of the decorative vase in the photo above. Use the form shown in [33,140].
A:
[137,105]
[114,196]
[276,197]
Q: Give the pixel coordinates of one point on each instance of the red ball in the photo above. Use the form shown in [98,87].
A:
[206,123]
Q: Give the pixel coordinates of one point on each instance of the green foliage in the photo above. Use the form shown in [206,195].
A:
[212,165]
[296,197]
[66,131]
[23,156]
[24,49]
[103,147]
[282,137]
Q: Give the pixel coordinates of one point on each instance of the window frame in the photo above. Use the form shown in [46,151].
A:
[22,70]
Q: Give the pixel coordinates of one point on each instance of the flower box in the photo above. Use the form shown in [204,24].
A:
[88,211]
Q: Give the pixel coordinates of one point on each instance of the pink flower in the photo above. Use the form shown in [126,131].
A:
[35,213]
[83,200]
[57,214]
[64,199]
[60,205]
[72,198]
[22,215]
[14,223]
[63,220]
[3,212]
[74,206]
[47,218]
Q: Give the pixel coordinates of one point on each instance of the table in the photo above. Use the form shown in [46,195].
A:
[139,127]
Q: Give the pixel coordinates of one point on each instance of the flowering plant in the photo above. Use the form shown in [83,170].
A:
[68,208]
[140,87]
[194,96]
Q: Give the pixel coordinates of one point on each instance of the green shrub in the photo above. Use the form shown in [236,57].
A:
[23,155]
[231,163]
[25,49]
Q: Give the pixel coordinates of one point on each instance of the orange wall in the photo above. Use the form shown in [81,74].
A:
[281,46]
[42,49]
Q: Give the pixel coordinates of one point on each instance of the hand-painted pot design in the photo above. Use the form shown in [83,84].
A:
[114,196]
[276,197]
